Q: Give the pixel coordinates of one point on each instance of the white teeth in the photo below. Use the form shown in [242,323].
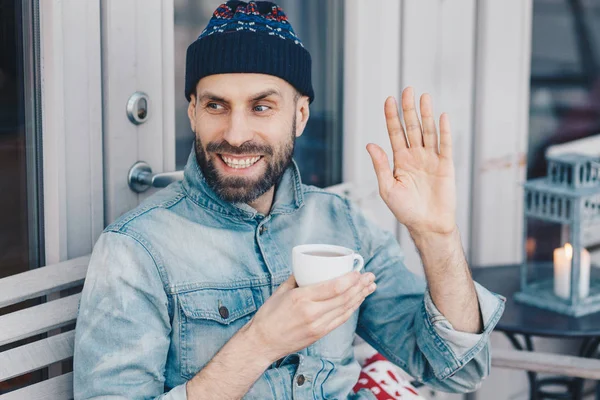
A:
[240,163]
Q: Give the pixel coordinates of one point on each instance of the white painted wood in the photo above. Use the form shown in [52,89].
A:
[168,84]
[41,281]
[438,60]
[501,129]
[547,363]
[59,388]
[34,320]
[438,43]
[371,73]
[53,128]
[137,49]
[83,124]
[36,355]
[72,127]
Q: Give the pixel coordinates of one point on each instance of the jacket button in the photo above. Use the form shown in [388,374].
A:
[262,229]
[300,380]
[224,312]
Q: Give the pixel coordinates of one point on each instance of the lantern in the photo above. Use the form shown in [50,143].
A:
[570,196]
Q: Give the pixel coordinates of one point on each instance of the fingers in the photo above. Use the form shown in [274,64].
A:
[331,288]
[429,132]
[445,137]
[317,319]
[349,297]
[338,316]
[288,285]
[411,119]
[385,178]
[394,125]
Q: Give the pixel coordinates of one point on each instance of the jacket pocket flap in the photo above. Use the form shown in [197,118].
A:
[220,305]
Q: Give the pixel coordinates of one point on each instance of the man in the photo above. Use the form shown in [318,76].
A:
[190,295]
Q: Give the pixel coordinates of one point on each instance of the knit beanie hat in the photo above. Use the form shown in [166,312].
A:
[249,37]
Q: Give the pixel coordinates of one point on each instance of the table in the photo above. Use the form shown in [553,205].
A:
[520,322]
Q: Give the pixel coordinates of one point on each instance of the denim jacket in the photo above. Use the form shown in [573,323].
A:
[170,282]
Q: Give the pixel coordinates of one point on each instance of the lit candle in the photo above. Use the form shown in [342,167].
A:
[562,272]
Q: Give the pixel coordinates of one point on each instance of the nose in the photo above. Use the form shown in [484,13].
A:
[238,130]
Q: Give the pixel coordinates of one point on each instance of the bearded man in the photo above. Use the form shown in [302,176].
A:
[191,296]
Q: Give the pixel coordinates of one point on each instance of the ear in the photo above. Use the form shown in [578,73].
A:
[192,112]
[302,115]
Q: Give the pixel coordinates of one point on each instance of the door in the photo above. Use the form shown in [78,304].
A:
[138,96]
[96,57]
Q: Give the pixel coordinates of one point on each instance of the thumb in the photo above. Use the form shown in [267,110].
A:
[382,167]
[287,285]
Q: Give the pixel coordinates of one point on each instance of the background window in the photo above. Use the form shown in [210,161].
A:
[21,236]
[21,241]
[320,27]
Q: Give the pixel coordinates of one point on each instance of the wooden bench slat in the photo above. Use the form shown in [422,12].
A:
[59,388]
[558,364]
[38,282]
[36,355]
[34,320]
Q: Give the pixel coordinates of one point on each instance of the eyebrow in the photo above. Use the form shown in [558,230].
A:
[259,96]
[209,96]
[266,93]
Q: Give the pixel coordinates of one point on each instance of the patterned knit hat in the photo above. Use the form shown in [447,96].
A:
[253,37]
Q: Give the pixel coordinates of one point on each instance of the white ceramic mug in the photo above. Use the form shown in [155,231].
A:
[314,263]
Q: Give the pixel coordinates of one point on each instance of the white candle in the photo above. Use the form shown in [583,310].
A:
[562,272]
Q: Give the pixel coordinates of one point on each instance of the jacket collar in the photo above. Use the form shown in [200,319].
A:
[288,192]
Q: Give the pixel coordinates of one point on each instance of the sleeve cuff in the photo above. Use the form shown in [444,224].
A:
[455,347]
[177,393]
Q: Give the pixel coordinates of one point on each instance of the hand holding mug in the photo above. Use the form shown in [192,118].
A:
[295,317]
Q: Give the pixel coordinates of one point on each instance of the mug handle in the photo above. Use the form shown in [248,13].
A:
[361,262]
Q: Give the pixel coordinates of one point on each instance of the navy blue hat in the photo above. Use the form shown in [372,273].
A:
[253,37]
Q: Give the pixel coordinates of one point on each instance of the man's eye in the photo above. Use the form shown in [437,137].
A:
[261,108]
[214,106]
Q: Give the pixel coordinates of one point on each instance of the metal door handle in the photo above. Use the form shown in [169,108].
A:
[141,178]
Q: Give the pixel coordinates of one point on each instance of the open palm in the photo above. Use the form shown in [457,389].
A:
[421,188]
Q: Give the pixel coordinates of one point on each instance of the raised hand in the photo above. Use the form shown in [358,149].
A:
[421,188]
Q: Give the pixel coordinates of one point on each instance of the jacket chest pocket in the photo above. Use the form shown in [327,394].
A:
[337,344]
[208,319]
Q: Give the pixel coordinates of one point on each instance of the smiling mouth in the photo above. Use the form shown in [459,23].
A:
[239,163]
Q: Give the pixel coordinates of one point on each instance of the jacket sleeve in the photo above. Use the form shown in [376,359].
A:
[123,326]
[401,321]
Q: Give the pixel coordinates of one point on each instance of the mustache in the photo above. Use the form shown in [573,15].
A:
[246,148]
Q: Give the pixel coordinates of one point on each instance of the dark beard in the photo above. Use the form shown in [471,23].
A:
[241,189]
